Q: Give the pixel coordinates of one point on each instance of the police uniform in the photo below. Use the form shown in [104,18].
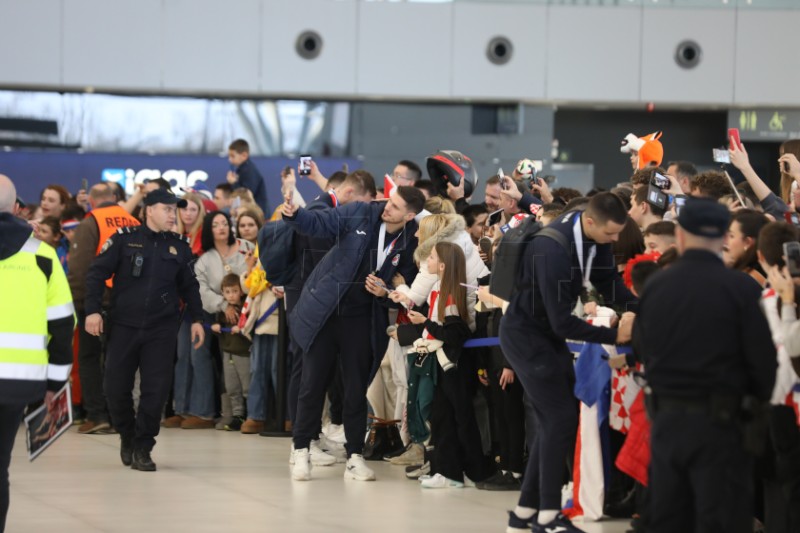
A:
[706,346]
[152,274]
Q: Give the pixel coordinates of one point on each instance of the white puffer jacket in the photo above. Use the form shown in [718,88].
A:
[455,232]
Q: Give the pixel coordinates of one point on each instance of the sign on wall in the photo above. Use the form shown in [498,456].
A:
[765,124]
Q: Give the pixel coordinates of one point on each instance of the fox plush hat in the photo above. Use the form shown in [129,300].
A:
[649,148]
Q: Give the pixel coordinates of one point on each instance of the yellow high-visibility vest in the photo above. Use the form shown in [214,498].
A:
[29,301]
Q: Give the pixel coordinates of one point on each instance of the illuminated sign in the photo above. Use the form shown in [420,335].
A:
[130,178]
[765,124]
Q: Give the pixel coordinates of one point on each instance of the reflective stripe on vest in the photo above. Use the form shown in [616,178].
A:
[109,220]
[23,340]
[23,372]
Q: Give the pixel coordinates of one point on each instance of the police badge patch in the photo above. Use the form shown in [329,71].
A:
[106,245]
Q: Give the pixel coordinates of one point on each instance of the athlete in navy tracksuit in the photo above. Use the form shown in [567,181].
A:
[338,315]
[533,337]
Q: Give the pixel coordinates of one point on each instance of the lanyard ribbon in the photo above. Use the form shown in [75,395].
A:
[383,253]
[576,230]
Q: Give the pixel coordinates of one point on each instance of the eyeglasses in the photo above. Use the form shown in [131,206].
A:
[216,225]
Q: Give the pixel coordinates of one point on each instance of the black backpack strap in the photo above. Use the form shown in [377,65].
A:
[557,236]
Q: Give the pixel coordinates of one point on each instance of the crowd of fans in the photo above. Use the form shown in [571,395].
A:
[461,414]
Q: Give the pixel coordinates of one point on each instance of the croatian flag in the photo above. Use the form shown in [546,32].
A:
[388,185]
[592,456]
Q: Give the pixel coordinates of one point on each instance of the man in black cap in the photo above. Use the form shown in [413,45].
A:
[707,352]
[152,270]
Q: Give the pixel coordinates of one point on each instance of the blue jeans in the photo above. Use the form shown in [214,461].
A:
[263,360]
[194,374]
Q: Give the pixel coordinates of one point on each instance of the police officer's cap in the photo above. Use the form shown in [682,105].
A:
[160,196]
[704,217]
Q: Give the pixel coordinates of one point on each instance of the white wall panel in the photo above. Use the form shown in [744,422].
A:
[593,53]
[767,58]
[404,49]
[711,81]
[474,76]
[333,71]
[31,42]
[112,44]
[212,45]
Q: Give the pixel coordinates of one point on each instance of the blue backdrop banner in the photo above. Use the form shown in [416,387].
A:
[31,171]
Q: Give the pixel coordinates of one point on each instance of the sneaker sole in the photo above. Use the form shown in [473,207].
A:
[350,475]
[301,478]
[323,462]
[97,429]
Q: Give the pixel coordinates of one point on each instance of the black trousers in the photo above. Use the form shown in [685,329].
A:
[700,476]
[458,448]
[346,341]
[545,369]
[90,370]
[509,414]
[151,352]
[10,418]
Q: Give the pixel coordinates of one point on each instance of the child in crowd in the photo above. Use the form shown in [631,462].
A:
[49,230]
[454,428]
[235,349]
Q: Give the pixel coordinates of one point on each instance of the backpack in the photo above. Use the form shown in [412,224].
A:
[508,256]
[276,252]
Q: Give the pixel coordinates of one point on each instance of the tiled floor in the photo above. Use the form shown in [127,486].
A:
[213,481]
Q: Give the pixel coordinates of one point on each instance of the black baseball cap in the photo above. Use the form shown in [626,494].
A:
[704,217]
[160,196]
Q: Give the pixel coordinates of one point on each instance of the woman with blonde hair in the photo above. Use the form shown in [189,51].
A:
[190,221]
[439,205]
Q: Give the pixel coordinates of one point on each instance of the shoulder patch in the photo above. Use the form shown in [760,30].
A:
[108,243]
[180,237]
[127,229]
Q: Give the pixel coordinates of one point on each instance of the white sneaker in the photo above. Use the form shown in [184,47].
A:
[329,445]
[438,481]
[291,455]
[301,470]
[335,432]
[357,469]
[319,457]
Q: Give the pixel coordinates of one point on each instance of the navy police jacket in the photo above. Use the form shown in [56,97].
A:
[551,282]
[353,227]
[150,299]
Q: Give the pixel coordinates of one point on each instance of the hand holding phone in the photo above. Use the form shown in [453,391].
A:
[305,165]
[735,143]
[791,253]
[503,184]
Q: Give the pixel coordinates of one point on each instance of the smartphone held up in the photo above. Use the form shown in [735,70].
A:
[305,165]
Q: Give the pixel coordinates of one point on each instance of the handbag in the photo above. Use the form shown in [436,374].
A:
[383,438]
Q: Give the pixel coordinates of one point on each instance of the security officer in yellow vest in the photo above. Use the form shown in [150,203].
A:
[36,324]
[152,269]
[105,218]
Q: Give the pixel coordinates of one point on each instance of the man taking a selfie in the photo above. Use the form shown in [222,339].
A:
[337,315]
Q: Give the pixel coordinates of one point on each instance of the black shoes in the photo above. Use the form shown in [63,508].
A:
[561,524]
[126,451]
[500,481]
[142,461]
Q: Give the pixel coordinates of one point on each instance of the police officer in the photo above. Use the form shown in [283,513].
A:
[152,269]
[706,346]
[533,337]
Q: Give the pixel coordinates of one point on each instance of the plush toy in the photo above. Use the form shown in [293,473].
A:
[649,148]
